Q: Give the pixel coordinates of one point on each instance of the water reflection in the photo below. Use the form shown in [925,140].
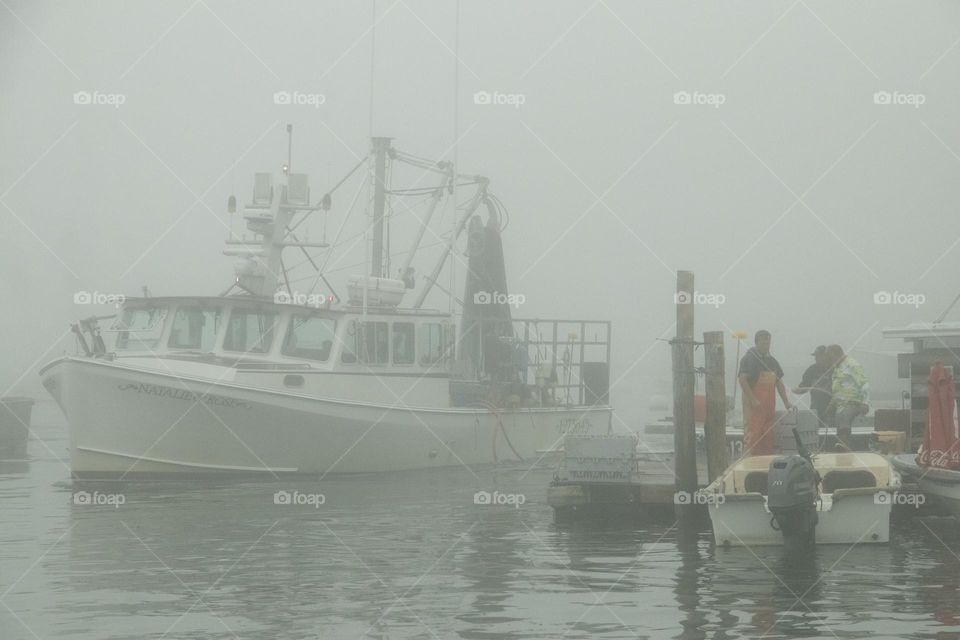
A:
[412,556]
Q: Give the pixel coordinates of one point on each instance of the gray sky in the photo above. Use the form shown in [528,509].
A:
[796,199]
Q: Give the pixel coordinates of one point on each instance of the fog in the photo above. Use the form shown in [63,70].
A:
[794,194]
[342,466]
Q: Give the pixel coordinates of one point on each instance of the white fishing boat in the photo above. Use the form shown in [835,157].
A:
[268,379]
[844,498]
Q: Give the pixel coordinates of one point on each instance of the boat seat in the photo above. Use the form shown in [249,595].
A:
[756,482]
[852,479]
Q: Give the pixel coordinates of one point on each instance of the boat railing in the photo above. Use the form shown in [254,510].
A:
[249,365]
[571,357]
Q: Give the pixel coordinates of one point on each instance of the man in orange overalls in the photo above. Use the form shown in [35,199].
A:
[761,378]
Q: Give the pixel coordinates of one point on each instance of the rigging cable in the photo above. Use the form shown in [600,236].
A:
[326,260]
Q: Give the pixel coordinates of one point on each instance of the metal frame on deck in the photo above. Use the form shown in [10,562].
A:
[537,333]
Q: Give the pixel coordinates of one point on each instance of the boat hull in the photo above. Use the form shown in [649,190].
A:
[126,420]
[941,485]
[856,516]
[943,488]
[857,491]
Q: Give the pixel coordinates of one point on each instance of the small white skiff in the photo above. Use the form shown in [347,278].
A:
[853,505]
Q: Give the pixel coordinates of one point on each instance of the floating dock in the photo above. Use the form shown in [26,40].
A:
[614,477]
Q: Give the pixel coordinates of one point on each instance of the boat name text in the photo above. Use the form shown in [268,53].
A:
[183,394]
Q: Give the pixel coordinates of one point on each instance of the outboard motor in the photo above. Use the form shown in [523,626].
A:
[792,492]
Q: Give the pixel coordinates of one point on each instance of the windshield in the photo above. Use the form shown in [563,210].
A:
[139,328]
[195,328]
[249,331]
[310,337]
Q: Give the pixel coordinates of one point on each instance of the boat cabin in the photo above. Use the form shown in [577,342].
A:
[256,332]
[413,352]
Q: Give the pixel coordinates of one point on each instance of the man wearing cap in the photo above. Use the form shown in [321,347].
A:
[761,379]
[818,382]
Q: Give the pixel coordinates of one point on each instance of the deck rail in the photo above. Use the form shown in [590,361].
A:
[565,346]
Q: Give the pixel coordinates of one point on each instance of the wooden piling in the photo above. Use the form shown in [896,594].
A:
[715,425]
[684,431]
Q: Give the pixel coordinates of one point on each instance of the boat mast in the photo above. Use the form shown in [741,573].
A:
[270,216]
[381,147]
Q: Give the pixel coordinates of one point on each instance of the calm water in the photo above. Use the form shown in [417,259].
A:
[411,556]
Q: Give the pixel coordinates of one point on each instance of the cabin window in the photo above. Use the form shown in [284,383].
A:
[366,342]
[432,343]
[374,343]
[403,343]
[309,337]
[250,331]
[139,328]
[348,354]
[195,328]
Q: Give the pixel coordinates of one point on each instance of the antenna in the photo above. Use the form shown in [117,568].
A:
[456,148]
[373,58]
[287,167]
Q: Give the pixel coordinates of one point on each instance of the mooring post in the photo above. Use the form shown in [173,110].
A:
[684,432]
[715,425]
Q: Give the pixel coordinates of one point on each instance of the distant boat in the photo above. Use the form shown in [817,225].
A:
[267,379]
